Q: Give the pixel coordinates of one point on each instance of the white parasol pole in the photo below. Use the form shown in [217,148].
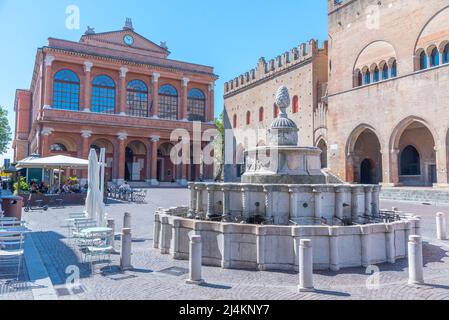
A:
[102,166]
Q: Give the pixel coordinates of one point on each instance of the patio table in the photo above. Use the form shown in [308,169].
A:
[96,230]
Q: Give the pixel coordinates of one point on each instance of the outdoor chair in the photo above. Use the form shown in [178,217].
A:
[98,248]
[11,254]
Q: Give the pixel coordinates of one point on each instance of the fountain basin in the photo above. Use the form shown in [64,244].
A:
[257,247]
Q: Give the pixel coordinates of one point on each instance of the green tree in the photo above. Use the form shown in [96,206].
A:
[219,146]
[5,130]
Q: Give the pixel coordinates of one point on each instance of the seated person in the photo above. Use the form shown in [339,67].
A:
[34,188]
[66,188]
[43,188]
[125,187]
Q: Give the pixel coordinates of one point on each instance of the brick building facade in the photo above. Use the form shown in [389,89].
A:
[119,91]
[387,118]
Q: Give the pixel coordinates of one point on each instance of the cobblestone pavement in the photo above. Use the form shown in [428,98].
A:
[149,279]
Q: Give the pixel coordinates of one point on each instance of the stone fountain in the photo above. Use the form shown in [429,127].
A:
[283,198]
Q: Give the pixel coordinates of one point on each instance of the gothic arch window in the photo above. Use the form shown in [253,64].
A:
[66,91]
[422,61]
[196,104]
[58,147]
[261,114]
[434,58]
[376,74]
[168,102]
[248,118]
[295,106]
[367,77]
[103,95]
[359,79]
[410,162]
[394,69]
[446,54]
[137,99]
[385,72]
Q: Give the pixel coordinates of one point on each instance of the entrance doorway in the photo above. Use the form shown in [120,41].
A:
[367,172]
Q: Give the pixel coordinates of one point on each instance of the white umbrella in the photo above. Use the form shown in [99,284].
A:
[92,182]
[101,214]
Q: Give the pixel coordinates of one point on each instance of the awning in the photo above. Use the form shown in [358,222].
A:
[55,162]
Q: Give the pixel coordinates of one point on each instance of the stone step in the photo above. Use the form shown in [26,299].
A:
[416,195]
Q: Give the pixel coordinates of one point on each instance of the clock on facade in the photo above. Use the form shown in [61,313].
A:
[128,40]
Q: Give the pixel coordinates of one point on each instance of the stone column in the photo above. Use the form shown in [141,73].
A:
[48,93]
[260,233]
[317,197]
[246,210]
[394,168]
[156,230]
[390,244]
[193,200]
[126,250]
[164,242]
[305,266]
[441,226]
[269,202]
[339,202]
[185,162]
[111,240]
[415,261]
[155,83]
[122,90]
[355,192]
[376,206]
[210,202]
[87,86]
[210,104]
[183,112]
[154,146]
[195,264]
[334,257]
[226,204]
[199,199]
[366,245]
[368,200]
[127,220]
[45,144]
[441,157]
[85,135]
[148,157]
[121,137]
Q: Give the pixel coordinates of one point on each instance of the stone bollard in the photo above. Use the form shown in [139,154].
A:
[305,266]
[125,254]
[196,257]
[127,220]
[111,240]
[441,226]
[415,261]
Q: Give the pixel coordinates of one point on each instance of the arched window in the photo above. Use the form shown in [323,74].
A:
[248,118]
[446,54]
[422,61]
[367,77]
[295,106]
[385,72]
[66,91]
[137,99]
[275,111]
[359,79]
[234,121]
[394,69]
[376,75]
[410,162]
[103,95]
[168,102]
[58,147]
[261,114]
[196,104]
[434,58]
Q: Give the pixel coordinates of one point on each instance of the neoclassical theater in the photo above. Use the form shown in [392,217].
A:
[378,108]
[119,91]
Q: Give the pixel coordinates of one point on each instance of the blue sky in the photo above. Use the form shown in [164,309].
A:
[228,35]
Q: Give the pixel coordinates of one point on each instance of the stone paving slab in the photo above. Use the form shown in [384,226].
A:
[147,281]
